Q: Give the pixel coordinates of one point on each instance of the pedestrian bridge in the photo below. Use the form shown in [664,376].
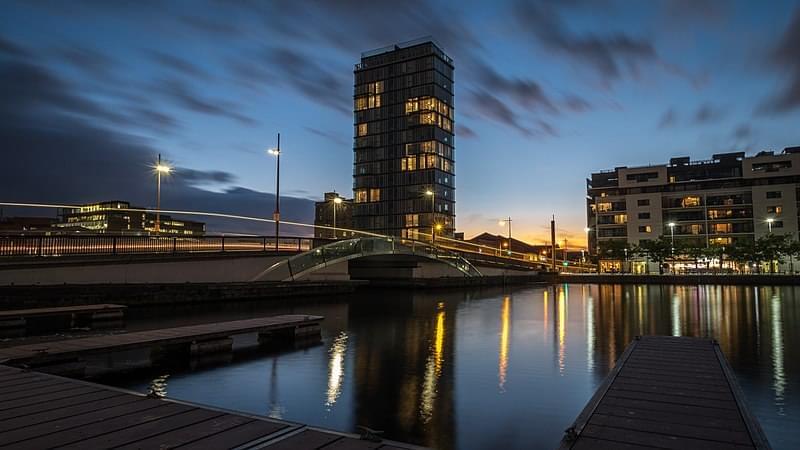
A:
[336,253]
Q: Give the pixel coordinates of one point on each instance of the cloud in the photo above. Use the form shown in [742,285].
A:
[707,113]
[668,119]
[43,124]
[148,118]
[336,138]
[90,61]
[182,95]
[606,54]
[785,57]
[526,93]
[9,48]
[210,26]
[495,109]
[194,177]
[465,132]
[577,104]
[742,131]
[178,64]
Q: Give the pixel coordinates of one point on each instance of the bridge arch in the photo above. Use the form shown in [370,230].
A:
[337,252]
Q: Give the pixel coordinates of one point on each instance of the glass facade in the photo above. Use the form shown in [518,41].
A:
[404,141]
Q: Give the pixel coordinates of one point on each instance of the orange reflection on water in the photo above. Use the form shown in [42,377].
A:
[433,368]
[505,325]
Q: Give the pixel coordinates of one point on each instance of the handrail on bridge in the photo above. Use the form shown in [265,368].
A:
[344,250]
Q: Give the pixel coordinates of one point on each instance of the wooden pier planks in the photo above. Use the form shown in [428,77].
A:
[667,392]
[87,415]
[25,354]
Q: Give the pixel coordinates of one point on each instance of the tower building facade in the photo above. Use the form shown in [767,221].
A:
[404,147]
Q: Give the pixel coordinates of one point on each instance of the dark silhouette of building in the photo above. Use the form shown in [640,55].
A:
[117,217]
[404,141]
[13,224]
[332,214]
[500,243]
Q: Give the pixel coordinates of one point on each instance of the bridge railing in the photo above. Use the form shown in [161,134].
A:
[351,248]
[109,245]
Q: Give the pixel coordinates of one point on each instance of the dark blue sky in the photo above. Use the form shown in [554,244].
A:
[546,92]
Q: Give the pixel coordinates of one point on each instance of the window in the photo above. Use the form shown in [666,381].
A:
[690,201]
[409,163]
[620,219]
[361,130]
[722,228]
[644,215]
[777,224]
[361,103]
[643,202]
[774,194]
[772,166]
[374,195]
[603,207]
[776,210]
[641,177]
[695,228]
[720,241]
[361,196]
[412,220]
[645,229]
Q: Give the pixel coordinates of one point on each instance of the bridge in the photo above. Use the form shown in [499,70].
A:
[50,258]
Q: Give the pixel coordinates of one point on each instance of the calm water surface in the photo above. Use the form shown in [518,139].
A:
[492,369]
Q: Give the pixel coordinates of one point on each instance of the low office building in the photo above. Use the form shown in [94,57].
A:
[500,244]
[118,217]
[333,212]
[720,201]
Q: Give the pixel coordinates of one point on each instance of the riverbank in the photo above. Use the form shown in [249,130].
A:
[746,280]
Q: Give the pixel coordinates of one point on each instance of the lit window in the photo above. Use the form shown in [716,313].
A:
[695,228]
[412,105]
[645,229]
[361,103]
[776,210]
[620,219]
[722,228]
[603,207]
[374,195]
[361,196]
[690,201]
[362,129]
[412,220]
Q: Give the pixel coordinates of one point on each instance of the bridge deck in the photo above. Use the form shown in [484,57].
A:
[33,353]
[46,411]
[667,392]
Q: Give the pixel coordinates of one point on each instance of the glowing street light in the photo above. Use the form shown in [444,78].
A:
[434,226]
[276,216]
[507,221]
[769,223]
[672,233]
[165,169]
[336,201]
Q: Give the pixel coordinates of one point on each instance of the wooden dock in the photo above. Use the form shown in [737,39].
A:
[195,340]
[667,392]
[19,322]
[46,411]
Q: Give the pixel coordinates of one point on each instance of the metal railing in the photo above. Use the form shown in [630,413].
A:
[340,251]
[109,245]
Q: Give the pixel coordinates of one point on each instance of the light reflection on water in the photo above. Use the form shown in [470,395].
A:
[493,369]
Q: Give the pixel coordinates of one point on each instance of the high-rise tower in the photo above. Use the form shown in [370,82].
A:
[404,169]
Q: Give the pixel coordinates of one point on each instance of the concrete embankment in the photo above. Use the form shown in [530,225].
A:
[751,280]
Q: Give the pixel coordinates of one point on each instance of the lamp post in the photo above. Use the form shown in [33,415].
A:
[672,234]
[507,221]
[432,194]
[165,169]
[276,216]
[769,223]
[336,201]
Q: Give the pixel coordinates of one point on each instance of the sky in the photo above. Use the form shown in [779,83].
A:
[546,92]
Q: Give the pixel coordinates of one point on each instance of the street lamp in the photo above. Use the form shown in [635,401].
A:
[336,201]
[165,169]
[276,216]
[672,233]
[769,223]
[507,221]
[434,226]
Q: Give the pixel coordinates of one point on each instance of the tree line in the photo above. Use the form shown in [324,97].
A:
[772,248]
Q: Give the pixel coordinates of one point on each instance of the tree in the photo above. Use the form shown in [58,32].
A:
[694,252]
[771,248]
[793,251]
[743,252]
[613,250]
[714,251]
[657,250]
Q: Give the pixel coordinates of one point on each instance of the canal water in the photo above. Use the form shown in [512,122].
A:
[488,368]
